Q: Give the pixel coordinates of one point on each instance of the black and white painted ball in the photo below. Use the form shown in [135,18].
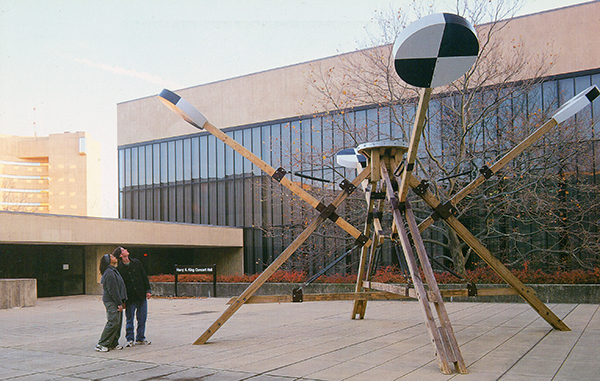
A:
[435,50]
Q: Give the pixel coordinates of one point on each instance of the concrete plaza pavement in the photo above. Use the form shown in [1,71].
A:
[297,341]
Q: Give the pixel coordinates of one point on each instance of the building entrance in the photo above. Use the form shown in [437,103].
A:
[59,270]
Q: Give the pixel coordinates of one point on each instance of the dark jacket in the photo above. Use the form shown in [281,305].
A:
[113,286]
[135,279]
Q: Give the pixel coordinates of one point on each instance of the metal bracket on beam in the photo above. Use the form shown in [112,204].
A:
[377,195]
[279,174]
[396,204]
[347,186]
[361,240]
[486,172]
[297,296]
[328,211]
[421,188]
[444,211]
[471,289]
[374,215]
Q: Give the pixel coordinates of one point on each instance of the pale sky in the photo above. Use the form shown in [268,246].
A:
[65,64]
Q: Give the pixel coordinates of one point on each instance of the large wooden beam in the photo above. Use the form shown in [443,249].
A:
[406,291]
[276,264]
[286,182]
[329,297]
[434,333]
[413,145]
[524,291]
[494,168]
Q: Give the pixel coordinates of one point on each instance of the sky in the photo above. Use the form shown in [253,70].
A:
[66,64]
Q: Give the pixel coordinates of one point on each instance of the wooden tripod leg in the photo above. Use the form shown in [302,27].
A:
[525,292]
[262,278]
[360,306]
[434,334]
[446,332]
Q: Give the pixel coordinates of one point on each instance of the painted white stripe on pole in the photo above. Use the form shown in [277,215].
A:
[576,104]
[180,106]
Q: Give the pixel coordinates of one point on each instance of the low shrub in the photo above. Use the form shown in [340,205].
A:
[391,274]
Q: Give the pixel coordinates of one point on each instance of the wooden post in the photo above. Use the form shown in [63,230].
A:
[360,306]
[446,331]
[413,145]
[434,334]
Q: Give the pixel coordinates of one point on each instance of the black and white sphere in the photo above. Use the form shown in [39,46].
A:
[435,50]
[350,158]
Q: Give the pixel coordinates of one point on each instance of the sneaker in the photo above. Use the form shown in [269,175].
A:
[129,344]
[143,342]
[117,347]
[100,348]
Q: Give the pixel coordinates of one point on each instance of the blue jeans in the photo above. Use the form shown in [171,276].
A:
[136,309]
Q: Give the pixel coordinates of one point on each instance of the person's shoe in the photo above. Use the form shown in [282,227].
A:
[100,348]
[117,347]
[129,344]
[143,342]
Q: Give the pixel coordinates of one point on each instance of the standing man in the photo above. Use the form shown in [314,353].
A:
[138,291]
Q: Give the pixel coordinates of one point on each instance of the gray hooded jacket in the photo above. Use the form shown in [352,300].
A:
[114,287]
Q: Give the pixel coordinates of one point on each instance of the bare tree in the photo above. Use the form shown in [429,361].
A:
[471,123]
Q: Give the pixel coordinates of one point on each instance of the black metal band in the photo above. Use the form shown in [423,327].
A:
[297,296]
[279,174]
[471,289]
[486,172]
[328,211]
[421,188]
[444,211]
[361,240]
[396,204]
[377,195]
[347,186]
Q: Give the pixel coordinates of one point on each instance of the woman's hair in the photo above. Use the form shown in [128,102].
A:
[104,262]
[117,252]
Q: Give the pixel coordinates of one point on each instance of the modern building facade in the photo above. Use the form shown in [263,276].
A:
[170,172]
[63,252]
[57,174]
[50,230]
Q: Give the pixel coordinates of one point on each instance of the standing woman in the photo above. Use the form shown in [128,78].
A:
[113,297]
[138,291]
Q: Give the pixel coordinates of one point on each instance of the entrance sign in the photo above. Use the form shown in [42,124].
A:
[197,269]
